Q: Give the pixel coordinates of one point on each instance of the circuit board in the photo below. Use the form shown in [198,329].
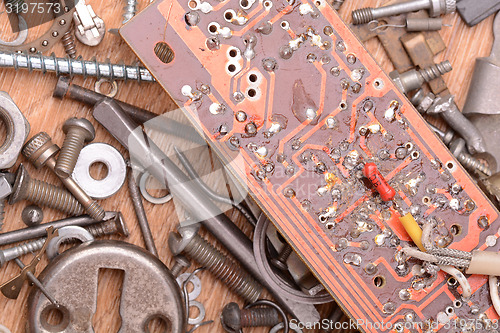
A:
[287,88]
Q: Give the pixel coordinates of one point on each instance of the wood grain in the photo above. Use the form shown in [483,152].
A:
[33,94]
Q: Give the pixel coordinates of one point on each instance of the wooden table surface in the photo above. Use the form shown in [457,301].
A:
[33,94]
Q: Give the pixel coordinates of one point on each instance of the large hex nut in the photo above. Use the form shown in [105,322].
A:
[18,129]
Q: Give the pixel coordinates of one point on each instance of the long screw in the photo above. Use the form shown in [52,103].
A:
[78,131]
[40,150]
[435,7]
[413,79]
[68,66]
[43,194]
[110,227]
[233,319]
[216,262]
[141,213]
[23,235]
[68,41]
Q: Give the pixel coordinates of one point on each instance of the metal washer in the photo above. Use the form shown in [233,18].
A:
[109,156]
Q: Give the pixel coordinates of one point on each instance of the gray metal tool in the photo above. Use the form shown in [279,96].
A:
[483,97]
[473,11]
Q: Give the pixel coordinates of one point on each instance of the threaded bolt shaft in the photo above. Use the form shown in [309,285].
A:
[433,72]
[181,263]
[223,268]
[259,317]
[78,131]
[68,41]
[280,261]
[435,7]
[129,10]
[43,194]
[71,67]
[2,212]
[40,150]
[473,164]
[97,230]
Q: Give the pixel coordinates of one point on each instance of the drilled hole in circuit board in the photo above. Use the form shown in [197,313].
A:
[192,4]
[164,52]
[455,230]
[228,15]
[378,84]
[252,92]
[252,78]
[212,28]
[231,68]
[450,166]
[379,281]
[233,53]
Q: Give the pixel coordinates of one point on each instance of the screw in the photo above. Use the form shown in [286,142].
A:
[457,148]
[233,319]
[181,263]
[43,194]
[68,41]
[435,7]
[336,4]
[78,131]
[130,10]
[280,262]
[40,150]
[63,66]
[115,225]
[32,215]
[413,79]
[189,243]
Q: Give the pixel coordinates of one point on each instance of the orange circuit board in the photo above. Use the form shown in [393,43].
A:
[287,89]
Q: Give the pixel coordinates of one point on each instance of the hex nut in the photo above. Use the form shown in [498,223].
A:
[5,187]
[18,129]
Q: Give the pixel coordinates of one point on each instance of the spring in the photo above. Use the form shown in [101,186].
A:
[130,10]
[68,41]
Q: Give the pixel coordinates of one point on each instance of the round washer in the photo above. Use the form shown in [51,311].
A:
[149,197]
[195,280]
[201,315]
[109,156]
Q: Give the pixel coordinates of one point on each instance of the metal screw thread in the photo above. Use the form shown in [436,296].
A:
[224,269]
[70,150]
[97,230]
[16,5]
[71,67]
[68,41]
[259,317]
[176,269]
[129,10]
[95,211]
[285,253]
[473,164]
[2,212]
[362,15]
[48,195]
[433,72]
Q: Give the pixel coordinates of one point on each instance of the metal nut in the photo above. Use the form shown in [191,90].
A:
[18,129]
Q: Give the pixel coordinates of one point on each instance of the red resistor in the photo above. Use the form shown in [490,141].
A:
[370,171]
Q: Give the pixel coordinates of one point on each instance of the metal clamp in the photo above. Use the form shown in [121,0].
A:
[18,129]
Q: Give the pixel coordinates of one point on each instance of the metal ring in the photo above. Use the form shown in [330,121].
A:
[149,197]
[114,87]
[65,233]
[195,280]
[109,156]
[4,329]
[201,316]
[21,36]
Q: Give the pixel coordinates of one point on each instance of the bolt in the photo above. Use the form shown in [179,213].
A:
[280,262]
[68,66]
[233,319]
[457,148]
[113,226]
[446,137]
[435,7]
[181,263]
[78,131]
[129,10]
[32,215]
[43,194]
[413,79]
[189,243]
[40,150]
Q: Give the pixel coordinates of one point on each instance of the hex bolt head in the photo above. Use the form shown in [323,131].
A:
[78,131]
[32,215]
